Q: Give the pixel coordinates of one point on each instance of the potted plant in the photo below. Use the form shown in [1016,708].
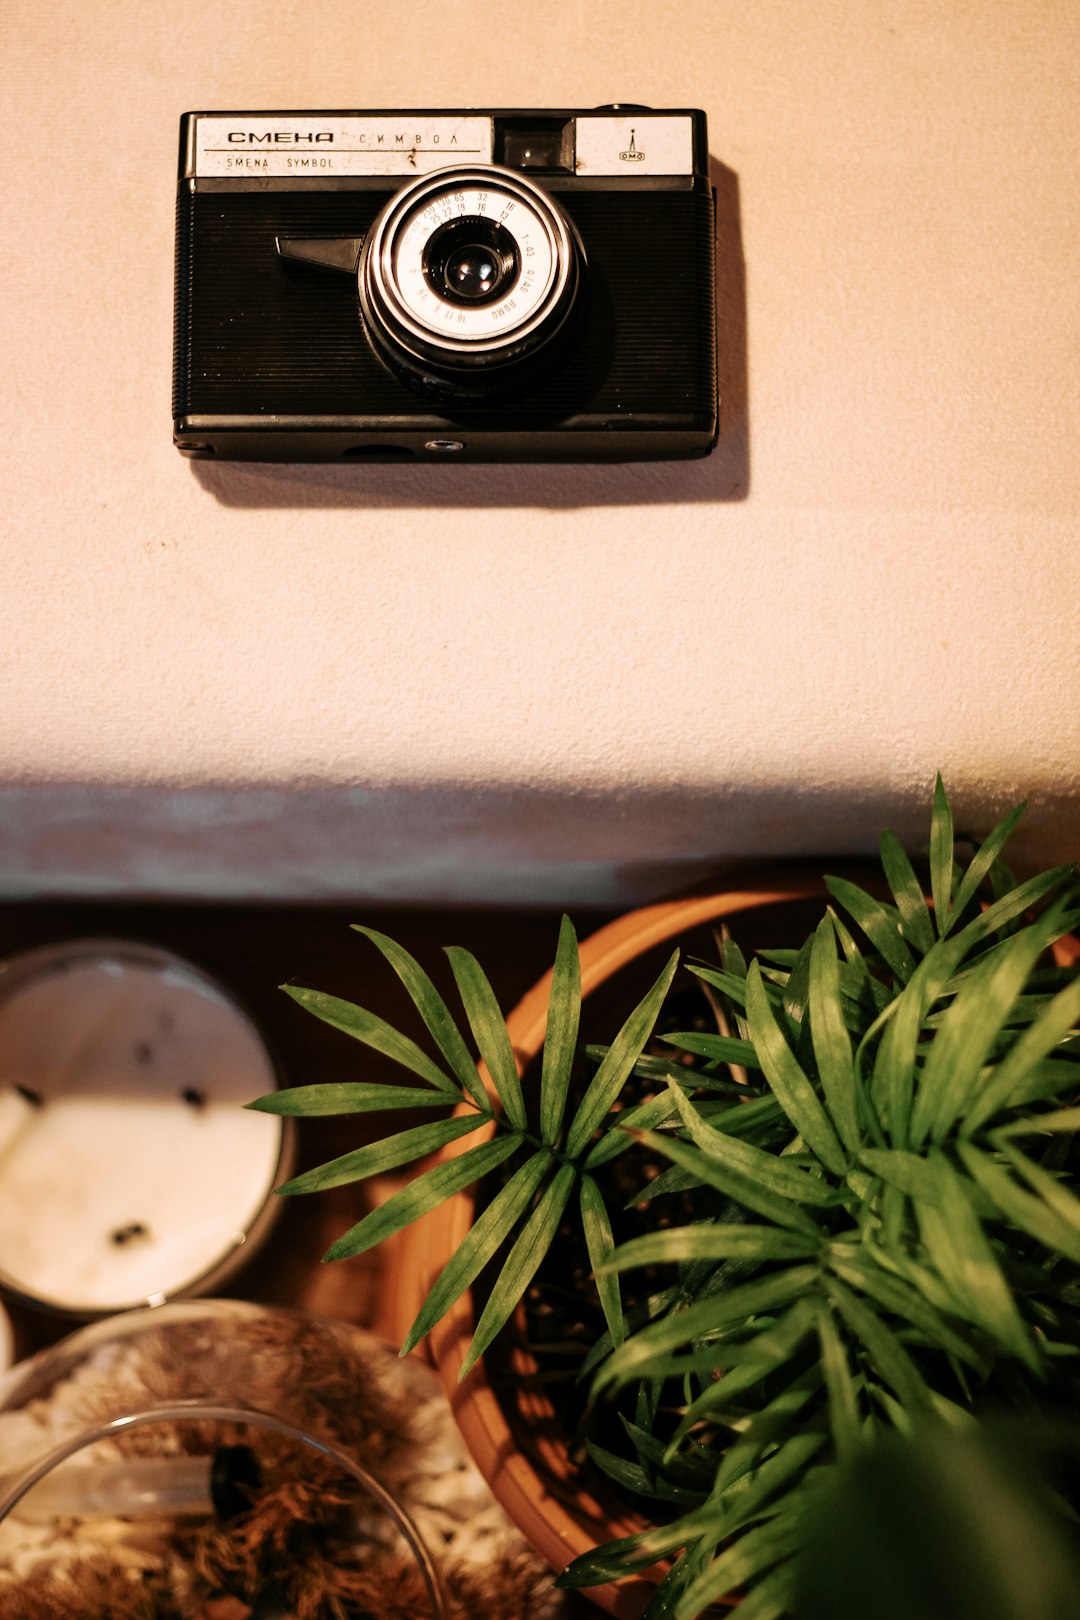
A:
[854,1204]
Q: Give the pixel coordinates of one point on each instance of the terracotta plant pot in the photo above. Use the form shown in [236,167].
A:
[560,1523]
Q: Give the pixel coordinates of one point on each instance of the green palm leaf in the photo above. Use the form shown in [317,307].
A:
[599,1242]
[1014,904]
[564,1012]
[378,1157]
[642,1117]
[772,1596]
[792,1089]
[914,1175]
[886,1352]
[647,1310]
[694,1468]
[485,1237]
[832,1045]
[985,857]
[717,1048]
[891,1257]
[733,1509]
[747,1115]
[710,1241]
[907,891]
[862,996]
[772,1422]
[1029,1212]
[432,1009]
[941,856]
[798,984]
[769,1198]
[685,1568]
[963,1040]
[521,1263]
[967,1265]
[742,1367]
[895,1064]
[489,1030]
[731,954]
[839,1385]
[421,1196]
[852,954]
[745,1118]
[664,1603]
[1048,1188]
[900,1299]
[745,1364]
[1059,1119]
[619,1060]
[625,1555]
[732,985]
[662,1069]
[1052,1026]
[373,1031]
[772,1172]
[758,1550]
[347,1097]
[630,1476]
[696,1321]
[880,924]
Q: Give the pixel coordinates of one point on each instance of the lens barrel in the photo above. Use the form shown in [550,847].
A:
[467,277]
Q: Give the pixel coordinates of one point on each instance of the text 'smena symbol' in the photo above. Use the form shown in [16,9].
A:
[632,155]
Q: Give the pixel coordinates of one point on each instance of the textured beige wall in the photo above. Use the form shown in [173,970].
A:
[577,682]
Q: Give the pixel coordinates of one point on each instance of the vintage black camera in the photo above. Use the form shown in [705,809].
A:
[482,286]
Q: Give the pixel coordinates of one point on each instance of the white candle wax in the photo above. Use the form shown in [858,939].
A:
[129,1169]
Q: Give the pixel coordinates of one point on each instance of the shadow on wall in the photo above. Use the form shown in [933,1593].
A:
[467,844]
[722,476]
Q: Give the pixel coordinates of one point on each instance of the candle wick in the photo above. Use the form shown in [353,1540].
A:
[124,1234]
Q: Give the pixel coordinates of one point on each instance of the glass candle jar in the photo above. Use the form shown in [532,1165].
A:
[130,1171]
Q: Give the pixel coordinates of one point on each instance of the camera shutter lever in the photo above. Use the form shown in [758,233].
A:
[328,252]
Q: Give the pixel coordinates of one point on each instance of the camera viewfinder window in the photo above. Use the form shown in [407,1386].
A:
[543,143]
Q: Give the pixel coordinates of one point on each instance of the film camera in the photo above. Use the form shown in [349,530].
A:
[484,286]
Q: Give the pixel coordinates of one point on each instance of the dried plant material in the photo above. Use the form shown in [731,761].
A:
[310,1535]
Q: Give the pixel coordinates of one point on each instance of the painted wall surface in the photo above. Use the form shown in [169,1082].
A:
[555,683]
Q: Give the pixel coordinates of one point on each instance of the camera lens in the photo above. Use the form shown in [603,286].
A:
[471,261]
[471,273]
[466,277]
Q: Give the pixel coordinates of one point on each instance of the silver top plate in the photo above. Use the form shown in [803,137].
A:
[324,145]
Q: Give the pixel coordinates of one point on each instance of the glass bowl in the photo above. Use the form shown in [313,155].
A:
[209,1450]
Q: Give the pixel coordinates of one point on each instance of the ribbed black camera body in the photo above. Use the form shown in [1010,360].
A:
[451,285]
